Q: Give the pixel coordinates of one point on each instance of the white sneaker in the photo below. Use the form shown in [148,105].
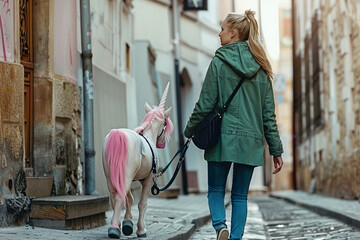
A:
[222,234]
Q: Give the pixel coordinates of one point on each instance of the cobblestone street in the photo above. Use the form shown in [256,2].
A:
[270,218]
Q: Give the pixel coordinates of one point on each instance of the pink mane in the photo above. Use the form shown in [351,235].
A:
[169,128]
[158,114]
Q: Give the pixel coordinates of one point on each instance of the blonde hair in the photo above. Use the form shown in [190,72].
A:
[248,29]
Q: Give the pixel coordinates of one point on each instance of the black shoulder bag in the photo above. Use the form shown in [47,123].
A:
[208,131]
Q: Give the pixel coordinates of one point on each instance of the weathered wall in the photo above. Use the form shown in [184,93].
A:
[12,182]
[67,137]
[12,106]
[329,156]
[337,171]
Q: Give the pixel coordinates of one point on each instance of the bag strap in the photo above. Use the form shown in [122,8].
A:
[223,109]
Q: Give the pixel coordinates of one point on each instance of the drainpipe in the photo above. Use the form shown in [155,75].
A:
[176,41]
[294,133]
[88,93]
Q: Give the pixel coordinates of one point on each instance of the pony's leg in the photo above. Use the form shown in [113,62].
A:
[127,224]
[118,203]
[129,203]
[112,198]
[114,230]
[146,185]
[112,192]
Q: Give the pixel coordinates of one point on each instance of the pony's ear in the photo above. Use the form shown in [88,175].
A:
[167,112]
[147,108]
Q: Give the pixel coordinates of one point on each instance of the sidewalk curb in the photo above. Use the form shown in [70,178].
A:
[352,221]
[186,232]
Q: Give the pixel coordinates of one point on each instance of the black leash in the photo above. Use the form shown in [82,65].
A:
[155,190]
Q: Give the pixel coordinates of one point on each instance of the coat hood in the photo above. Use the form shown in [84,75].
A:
[238,56]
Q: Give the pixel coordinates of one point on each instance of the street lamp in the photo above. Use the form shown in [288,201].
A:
[195,5]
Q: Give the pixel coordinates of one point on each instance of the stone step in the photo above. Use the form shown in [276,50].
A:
[69,212]
[33,190]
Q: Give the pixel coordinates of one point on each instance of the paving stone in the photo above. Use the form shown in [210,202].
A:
[270,218]
[173,219]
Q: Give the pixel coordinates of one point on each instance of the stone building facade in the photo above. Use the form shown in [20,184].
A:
[326,97]
[40,110]
[41,135]
[12,175]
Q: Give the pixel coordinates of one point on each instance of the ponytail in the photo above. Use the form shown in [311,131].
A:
[248,29]
[255,46]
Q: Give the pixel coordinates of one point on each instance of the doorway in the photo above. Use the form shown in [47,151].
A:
[26,59]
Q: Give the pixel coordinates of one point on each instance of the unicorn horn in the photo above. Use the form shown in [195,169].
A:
[163,98]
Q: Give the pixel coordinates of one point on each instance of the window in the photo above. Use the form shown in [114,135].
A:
[195,4]
[127,57]
[307,84]
[298,97]
[316,70]
[152,70]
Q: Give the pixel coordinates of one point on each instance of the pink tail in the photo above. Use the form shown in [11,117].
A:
[116,153]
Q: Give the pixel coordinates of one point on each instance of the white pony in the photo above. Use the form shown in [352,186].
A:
[131,155]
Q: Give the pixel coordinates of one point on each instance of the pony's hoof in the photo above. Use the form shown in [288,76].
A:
[114,233]
[127,227]
[141,235]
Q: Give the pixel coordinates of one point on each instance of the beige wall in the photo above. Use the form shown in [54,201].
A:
[156,29]
[114,87]
[107,95]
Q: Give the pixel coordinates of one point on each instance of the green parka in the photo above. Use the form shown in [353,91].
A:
[250,116]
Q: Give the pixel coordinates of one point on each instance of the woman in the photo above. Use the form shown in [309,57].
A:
[249,118]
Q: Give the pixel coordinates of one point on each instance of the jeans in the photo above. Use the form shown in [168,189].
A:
[217,175]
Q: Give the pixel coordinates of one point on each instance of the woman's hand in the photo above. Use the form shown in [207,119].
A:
[278,162]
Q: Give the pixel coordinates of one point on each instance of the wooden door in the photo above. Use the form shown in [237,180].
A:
[27,61]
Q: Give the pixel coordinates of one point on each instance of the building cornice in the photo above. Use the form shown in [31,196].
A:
[198,49]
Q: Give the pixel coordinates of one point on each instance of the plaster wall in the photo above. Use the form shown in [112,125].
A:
[109,113]
[157,28]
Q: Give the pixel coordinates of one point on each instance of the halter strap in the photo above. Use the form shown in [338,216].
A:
[153,168]
[163,129]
